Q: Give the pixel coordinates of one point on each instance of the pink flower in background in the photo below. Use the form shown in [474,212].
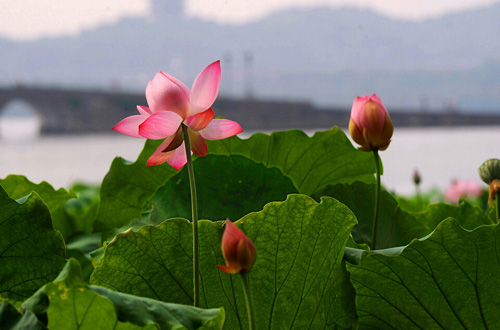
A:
[171,104]
[462,189]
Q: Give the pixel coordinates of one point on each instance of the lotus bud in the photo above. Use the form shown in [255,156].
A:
[238,250]
[416,177]
[490,170]
[370,125]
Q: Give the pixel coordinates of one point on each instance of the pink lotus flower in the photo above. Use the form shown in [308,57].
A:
[370,125]
[238,250]
[462,189]
[172,104]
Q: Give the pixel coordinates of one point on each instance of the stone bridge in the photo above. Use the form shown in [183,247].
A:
[71,111]
[76,111]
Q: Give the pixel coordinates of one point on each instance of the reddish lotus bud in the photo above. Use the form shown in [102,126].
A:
[238,250]
[370,125]
[416,177]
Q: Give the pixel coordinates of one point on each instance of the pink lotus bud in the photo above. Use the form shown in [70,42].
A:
[370,125]
[237,249]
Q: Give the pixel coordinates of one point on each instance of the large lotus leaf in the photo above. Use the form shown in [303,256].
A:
[310,162]
[298,280]
[31,251]
[395,226]
[10,318]
[18,186]
[228,187]
[127,187]
[68,303]
[449,280]
[467,215]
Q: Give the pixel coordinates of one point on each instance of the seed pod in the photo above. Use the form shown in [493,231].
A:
[490,170]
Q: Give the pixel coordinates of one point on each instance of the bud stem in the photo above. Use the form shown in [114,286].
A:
[194,212]
[248,300]
[377,200]
[418,196]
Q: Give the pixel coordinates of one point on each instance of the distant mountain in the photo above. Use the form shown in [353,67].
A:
[323,55]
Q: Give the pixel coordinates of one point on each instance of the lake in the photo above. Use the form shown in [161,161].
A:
[441,154]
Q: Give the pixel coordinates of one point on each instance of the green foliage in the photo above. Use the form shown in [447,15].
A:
[228,187]
[10,318]
[298,279]
[310,162]
[467,215]
[68,303]
[396,227]
[419,202]
[448,280]
[31,251]
[127,188]
[73,212]
[314,268]
[79,213]
[80,248]
[18,186]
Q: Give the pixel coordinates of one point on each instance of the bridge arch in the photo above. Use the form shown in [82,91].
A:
[19,120]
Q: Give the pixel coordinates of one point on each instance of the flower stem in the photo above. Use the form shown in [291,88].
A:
[497,202]
[248,300]
[377,200]
[194,212]
[418,197]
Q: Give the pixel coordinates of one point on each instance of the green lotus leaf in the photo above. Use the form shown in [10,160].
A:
[298,280]
[311,163]
[467,215]
[18,186]
[31,251]
[68,303]
[448,280]
[127,187]
[10,318]
[227,186]
[395,226]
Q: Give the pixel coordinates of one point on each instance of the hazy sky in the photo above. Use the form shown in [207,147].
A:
[29,19]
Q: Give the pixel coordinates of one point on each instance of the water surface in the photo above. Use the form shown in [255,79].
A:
[440,155]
